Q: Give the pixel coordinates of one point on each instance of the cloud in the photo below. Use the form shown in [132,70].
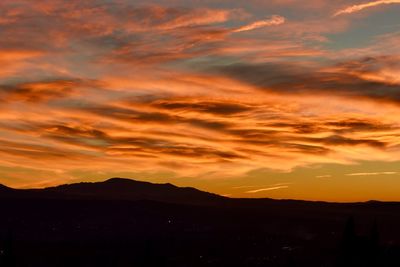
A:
[354,125]
[42,90]
[274,20]
[212,107]
[324,176]
[338,140]
[149,117]
[227,133]
[189,17]
[267,189]
[344,80]
[371,173]
[101,86]
[13,61]
[359,7]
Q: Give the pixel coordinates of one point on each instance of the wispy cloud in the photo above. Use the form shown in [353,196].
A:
[359,7]
[324,176]
[371,173]
[274,20]
[267,189]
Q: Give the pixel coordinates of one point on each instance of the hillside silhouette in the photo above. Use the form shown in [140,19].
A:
[117,189]
[122,222]
[127,189]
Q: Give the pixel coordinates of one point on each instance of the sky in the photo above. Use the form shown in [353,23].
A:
[248,98]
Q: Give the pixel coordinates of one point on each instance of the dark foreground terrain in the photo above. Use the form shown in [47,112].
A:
[122,222]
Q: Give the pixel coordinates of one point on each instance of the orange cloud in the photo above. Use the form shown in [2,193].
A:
[359,7]
[353,79]
[274,20]
[370,173]
[267,189]
[99,87]
[42,90]
[14,60]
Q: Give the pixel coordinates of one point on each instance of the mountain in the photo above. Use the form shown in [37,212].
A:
[118,189]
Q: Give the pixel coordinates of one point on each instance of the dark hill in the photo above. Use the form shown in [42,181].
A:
[118,189]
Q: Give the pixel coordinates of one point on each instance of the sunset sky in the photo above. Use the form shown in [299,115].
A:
[249,98]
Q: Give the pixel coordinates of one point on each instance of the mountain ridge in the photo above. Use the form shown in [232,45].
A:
[118,189]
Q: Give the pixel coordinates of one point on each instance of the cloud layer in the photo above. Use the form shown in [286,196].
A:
[211,91]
